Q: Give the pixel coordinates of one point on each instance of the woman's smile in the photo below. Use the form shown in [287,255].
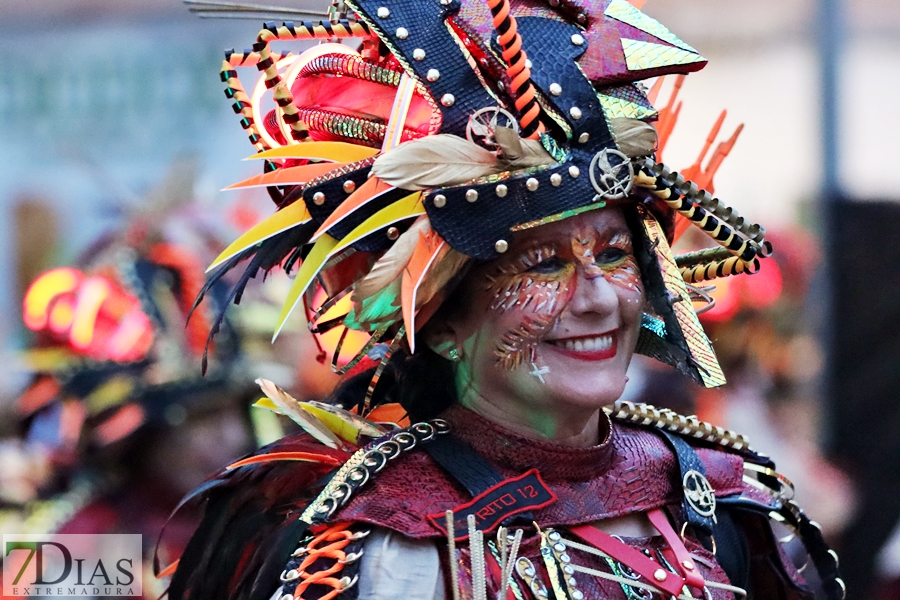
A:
[587,347]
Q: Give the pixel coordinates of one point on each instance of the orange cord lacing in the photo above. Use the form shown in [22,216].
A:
[517,69]
[336,539]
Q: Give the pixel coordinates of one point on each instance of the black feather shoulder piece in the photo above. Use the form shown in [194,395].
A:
[251,520]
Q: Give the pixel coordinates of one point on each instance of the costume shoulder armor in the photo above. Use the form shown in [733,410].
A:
[673,422]
[366,463]
[767,493]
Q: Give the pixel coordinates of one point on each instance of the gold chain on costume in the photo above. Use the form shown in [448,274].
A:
[669,420]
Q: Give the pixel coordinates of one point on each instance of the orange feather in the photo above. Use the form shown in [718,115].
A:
[288,176]
[302,456]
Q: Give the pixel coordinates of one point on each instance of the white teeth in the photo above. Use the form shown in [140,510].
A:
[594,344]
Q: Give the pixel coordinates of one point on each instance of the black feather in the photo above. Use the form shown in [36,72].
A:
[265,256]
[250,526]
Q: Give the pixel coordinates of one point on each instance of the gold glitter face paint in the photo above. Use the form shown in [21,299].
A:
[541,281]
[612,258]
[520,344]
[538,284]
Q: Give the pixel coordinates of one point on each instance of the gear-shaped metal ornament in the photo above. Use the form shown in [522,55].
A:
[484,122]
[612,175]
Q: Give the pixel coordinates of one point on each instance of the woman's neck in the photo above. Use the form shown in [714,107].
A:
[576,428]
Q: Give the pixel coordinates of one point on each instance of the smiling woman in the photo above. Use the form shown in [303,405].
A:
[503,229]
[546,332]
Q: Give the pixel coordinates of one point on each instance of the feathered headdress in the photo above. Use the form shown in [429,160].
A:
[454,125]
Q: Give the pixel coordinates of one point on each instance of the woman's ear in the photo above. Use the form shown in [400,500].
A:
[441,338]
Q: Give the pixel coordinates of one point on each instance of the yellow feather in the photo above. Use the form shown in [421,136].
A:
[405,208]
[314,262]
[331,151]
[343,423]
[284,219]
[283,403]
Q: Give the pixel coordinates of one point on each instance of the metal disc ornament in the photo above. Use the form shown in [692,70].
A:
[612,174]
[484,122]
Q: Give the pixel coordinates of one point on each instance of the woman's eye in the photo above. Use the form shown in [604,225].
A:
[611,256]
[548,266]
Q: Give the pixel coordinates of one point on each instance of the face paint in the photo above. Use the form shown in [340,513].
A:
[519,344]
[519,285]
[540,294]
[612,258]
[533,323]
[541,281]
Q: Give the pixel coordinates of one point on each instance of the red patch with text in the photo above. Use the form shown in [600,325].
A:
[511,497]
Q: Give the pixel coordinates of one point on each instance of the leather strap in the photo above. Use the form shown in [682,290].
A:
[683,561]
[644,566]
[470,469]
[698,501]
[464,464]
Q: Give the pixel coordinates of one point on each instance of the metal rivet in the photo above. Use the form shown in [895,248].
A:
[581,18]
[501,191]
[559,547]
[393,233]
[319,198]
[554,536]
[574,171]
[688,565]
[555,89]
[568,569]
[402,33]
[440,201]
[577,39]
[564,558]
[419,54]
[572,582]
[446,2]
[575,112]
[448,99]
[584,137]
[501,246]
[383,12]
[471,195]
[577,595]
[555,179]
[433,75]
[532,184]
[528,63]
[349,186]
[659,575]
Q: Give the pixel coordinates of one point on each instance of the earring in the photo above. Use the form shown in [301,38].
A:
[454,355]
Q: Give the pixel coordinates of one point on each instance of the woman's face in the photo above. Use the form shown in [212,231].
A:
[552,324]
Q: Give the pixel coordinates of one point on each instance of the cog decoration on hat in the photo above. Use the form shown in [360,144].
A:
[455,125]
